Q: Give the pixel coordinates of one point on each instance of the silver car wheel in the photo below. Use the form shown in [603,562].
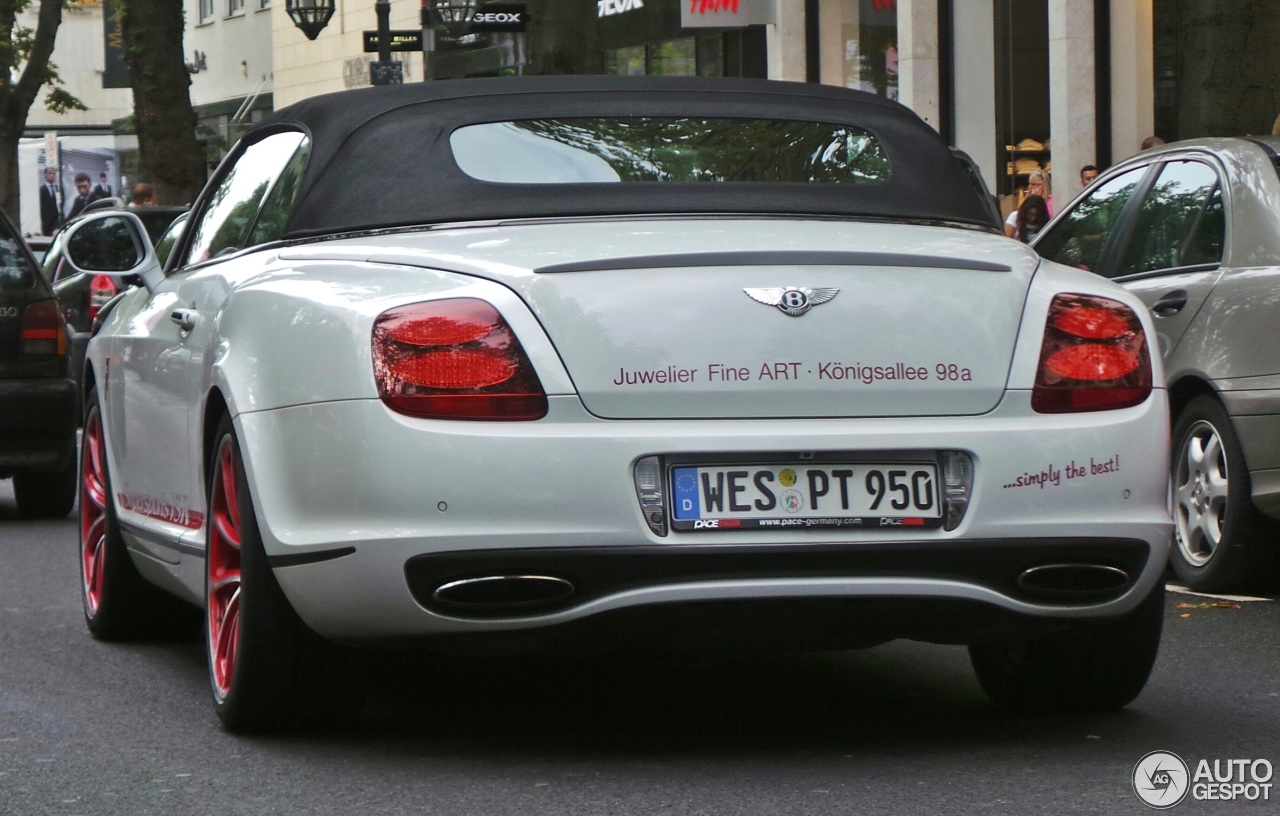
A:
[1201,485]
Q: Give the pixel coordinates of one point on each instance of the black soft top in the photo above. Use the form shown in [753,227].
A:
[381,156]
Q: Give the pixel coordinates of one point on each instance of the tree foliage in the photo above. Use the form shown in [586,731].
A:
[24,69]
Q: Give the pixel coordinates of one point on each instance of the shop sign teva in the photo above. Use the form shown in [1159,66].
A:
[608,8]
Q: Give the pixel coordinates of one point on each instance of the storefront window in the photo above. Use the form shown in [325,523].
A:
[625,61]
[711,53]
[703,55]
[674,58]
[587,37]
[860,45]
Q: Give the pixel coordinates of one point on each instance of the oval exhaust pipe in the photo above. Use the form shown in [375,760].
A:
[1074,580]
[496,591]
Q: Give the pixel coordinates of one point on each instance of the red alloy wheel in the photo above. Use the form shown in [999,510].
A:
[223,558]
[93,512]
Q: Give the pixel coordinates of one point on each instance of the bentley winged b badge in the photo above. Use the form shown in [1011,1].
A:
[792,300]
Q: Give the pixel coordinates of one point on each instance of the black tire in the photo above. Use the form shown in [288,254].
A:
[47,494]
[1222,542]
[118,603]
[267,669]
[1089,666]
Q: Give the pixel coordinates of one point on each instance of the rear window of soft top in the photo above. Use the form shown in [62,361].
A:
[668,149]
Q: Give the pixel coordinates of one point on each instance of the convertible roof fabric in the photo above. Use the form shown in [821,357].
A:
[380,157]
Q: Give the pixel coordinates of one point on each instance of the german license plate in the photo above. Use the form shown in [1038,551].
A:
[867,495]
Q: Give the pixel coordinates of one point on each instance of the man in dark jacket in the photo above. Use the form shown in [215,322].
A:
[50,213]
[84,195]
[102,189]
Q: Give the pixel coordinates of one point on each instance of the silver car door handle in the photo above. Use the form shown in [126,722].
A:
[1170,304]
[185,318]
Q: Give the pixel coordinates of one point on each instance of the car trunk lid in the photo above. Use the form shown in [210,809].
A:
[761,318]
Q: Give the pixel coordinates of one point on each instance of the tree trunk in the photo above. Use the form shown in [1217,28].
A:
[18,91]
[1228,67]
[169,155]
[562,37]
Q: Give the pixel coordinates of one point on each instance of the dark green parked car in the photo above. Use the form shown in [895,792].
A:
[38,406]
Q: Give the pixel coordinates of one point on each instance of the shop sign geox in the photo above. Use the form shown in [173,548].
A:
[500,17]
[727,13]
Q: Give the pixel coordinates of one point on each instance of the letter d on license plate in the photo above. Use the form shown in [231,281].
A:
[868,495]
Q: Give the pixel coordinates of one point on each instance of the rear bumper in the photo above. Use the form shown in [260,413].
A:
[1102,570]
[364,528]
[892,588]
[700,628]
[37,424]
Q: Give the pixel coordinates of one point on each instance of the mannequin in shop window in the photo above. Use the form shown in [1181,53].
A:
[1028,219]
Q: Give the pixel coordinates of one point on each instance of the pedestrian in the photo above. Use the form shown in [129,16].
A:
[1026,222]
[1036,186]
[84,195]
[1151,141]
[144,195]
[102,189]
[50,212]
[1087,174]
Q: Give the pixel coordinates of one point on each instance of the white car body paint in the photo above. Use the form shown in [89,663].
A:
[285,337]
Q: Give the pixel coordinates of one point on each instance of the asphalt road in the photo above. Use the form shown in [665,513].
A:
[93,728]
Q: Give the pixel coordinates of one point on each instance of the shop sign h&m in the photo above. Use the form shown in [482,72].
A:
[727,13]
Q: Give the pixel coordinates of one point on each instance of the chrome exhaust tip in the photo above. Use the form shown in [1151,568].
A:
[1073,580]
[496,592]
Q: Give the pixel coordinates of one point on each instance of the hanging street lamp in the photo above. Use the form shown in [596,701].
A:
[310,15]
[454,16]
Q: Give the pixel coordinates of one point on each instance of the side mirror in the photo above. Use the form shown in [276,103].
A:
[113,243]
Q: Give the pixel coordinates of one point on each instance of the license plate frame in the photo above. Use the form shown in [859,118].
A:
[827,495]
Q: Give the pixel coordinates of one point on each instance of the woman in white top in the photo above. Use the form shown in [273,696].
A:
[1036,186]
[1028,219]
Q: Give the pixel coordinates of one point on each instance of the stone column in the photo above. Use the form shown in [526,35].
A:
[1132,76]
[1072,115]
[918,58]
[975,99]
[786,43]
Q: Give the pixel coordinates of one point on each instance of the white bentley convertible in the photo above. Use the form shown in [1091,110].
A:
[660,363]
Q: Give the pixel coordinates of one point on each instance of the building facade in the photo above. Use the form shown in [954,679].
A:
[228,48]
[1019,85]
[76,141]
[228,51]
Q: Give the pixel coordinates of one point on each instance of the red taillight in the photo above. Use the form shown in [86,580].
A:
[454,359]
[1094,357]
[44,332]
[1091,322]
[455,369]
[101,290]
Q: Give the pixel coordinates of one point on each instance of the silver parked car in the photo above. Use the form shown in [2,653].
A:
[1193,229]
